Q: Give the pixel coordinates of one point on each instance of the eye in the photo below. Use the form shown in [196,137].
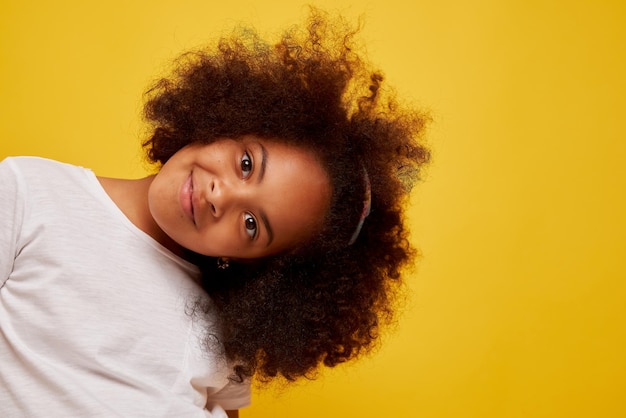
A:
[246,165]
[250,224]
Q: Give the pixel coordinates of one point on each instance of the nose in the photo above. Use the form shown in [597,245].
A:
[222,196]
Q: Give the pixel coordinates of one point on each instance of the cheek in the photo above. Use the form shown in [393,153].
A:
[217,240]
[165,209]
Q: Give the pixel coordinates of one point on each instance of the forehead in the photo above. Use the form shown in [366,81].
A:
[297,193]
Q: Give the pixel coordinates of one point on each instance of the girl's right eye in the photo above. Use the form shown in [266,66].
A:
[246,165]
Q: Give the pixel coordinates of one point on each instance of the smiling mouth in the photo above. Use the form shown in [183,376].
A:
[193,209]
[186,199]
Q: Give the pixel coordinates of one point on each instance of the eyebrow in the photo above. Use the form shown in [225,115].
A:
[266,222]
[270,234]
[263,164]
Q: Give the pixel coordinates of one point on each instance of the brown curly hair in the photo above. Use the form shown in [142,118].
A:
[323,302]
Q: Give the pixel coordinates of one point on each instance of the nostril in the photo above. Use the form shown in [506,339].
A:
[213,210]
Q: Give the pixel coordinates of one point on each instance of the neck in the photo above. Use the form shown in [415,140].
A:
[131,197]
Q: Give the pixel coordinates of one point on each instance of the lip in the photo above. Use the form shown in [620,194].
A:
[186,198]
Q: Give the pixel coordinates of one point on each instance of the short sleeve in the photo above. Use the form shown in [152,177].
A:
[230,397]
[11,216]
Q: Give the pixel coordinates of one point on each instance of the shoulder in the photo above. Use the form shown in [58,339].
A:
[28,163]
[28,170]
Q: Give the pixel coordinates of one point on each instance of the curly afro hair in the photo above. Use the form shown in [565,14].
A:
[323,302]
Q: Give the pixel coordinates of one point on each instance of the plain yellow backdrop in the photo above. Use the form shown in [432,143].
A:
[518,306]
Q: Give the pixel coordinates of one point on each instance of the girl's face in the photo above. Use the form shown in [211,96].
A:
[241,199]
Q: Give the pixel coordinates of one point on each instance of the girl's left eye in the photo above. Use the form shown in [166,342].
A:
[250,224]
[246,165]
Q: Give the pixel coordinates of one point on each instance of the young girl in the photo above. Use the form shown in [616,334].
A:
[270,241]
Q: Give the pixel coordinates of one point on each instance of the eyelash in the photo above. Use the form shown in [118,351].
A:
[248,219]
[246,165]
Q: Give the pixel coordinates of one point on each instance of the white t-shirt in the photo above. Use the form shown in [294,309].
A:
[94,313]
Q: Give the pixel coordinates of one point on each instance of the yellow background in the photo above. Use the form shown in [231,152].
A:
[518,308]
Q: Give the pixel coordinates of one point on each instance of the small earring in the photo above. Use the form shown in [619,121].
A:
[222,263]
